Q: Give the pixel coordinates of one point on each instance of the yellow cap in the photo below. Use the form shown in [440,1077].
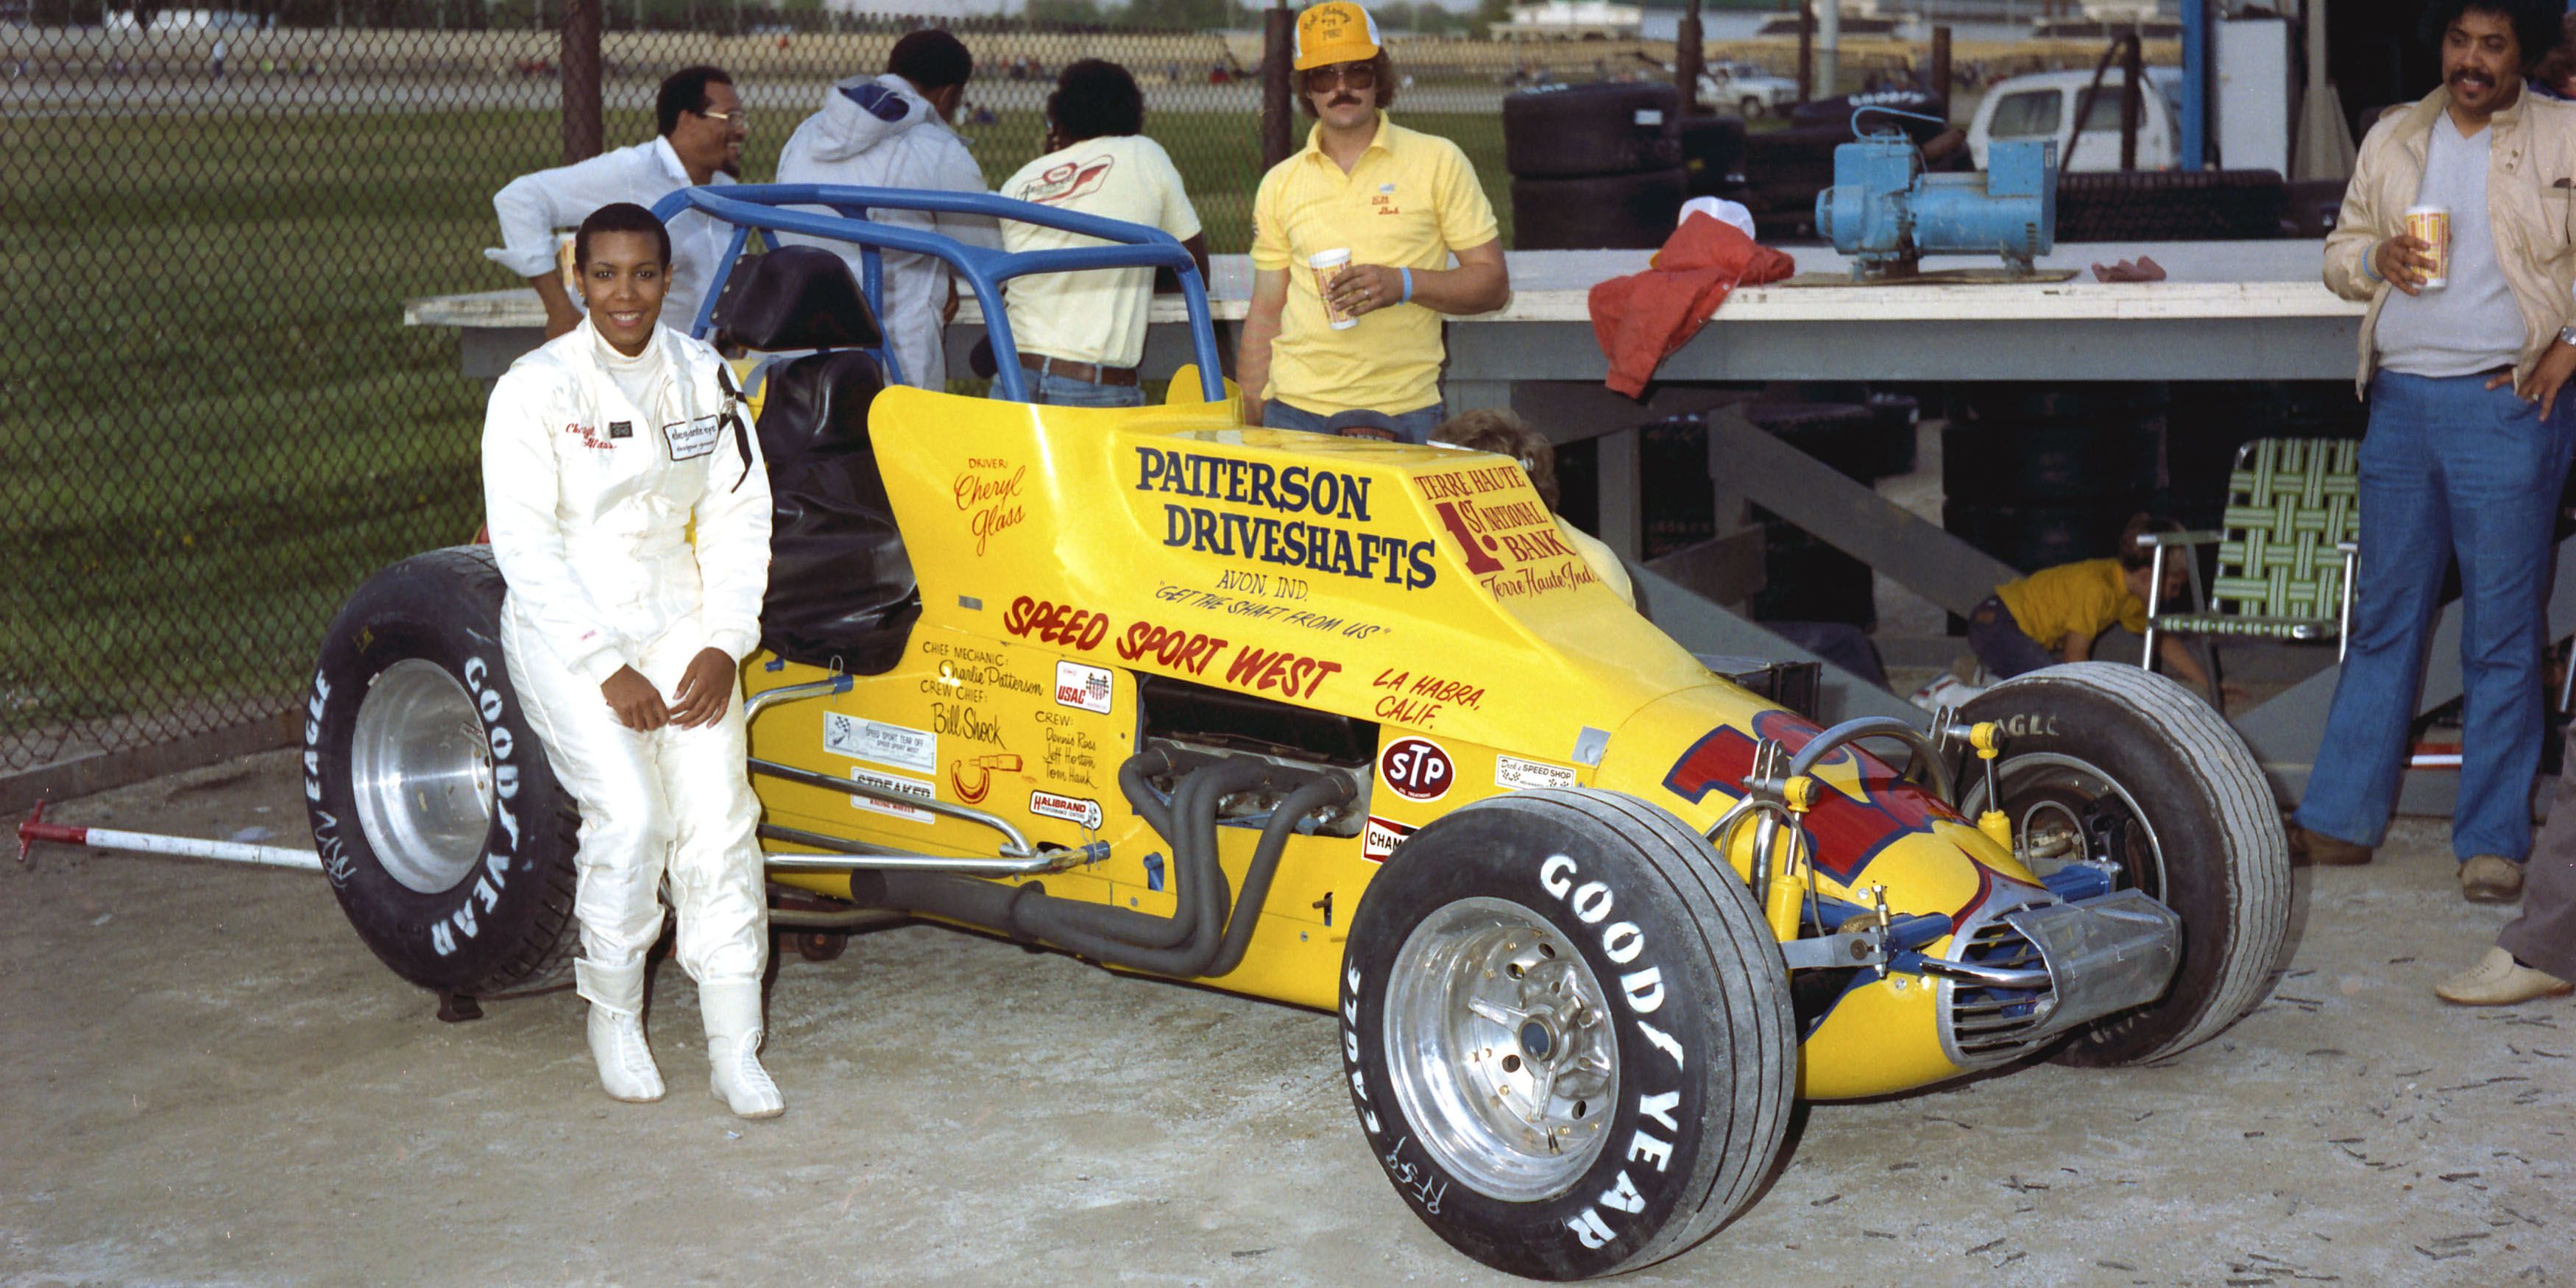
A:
[1335,31]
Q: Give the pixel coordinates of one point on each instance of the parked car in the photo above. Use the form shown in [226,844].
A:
[1746,88]
[2042,106]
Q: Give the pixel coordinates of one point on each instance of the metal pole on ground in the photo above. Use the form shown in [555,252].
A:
[579,59]
[1940,83]
[1829,39]
[2195,83]
[1806,50]
[1277,40]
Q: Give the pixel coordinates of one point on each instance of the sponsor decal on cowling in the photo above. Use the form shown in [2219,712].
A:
[1512,773]
[1379,839]
[1082,687]
[1416,769]
[1072,809]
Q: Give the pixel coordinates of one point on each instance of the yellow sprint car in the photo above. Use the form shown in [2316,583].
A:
[1342,723]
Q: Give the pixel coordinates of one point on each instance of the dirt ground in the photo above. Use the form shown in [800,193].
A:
[208,1079]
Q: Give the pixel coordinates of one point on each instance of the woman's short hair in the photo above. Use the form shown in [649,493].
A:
[1504,433]
[620,217]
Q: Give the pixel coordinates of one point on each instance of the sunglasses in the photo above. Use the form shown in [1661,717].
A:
[1348,75]
[740,116]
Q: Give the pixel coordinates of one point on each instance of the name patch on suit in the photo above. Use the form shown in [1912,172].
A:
[690,439]
[621,429]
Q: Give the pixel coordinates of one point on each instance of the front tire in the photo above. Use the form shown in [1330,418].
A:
[439,821]
[1568,1033]
[2147,775]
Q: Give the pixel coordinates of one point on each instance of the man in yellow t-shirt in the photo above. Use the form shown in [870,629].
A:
[2053,615]
[1080,335]
[1401,203]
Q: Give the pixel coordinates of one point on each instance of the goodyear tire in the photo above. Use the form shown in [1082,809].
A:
[441,827]
[2158,782]
[1636,1019]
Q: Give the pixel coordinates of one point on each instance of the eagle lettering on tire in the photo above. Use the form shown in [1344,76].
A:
[1567,1033]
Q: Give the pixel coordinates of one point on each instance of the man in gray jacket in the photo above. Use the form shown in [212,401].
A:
[891,131]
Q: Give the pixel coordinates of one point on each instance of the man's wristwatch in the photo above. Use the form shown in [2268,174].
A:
[2567,335]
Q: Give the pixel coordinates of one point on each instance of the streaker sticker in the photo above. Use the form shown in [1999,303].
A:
[1379,839]
[886,744]
[1416,769]
[912,787]
[1515,774]
[1085,688]
[1072,809]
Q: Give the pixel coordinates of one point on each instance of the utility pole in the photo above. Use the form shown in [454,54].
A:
[1278,33]
[1829,35]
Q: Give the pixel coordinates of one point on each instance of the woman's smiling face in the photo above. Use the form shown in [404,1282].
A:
[623,282]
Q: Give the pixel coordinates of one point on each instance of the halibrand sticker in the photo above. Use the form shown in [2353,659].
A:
[886,744]
[1515,774]
[1082,687]
[1416,768]
[912,787]
[1072,809]
[1378,841]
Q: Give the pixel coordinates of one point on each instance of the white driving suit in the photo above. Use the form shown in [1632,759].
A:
[590,494]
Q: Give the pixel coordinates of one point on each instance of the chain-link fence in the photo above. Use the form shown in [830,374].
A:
[215,422]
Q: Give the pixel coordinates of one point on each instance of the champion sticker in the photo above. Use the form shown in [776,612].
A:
[1072,809]
[1515,774]
[1082,687]
[1416,769]
[1379,839]
[691,439]
[912,787]
[886,744]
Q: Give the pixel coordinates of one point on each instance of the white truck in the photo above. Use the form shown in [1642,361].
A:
[1745,87]
[2042,106]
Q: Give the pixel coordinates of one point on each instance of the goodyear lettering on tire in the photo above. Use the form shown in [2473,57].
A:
[1641,990]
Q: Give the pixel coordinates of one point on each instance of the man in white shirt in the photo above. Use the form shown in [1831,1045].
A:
[701,127]
[891,131]
[1082,334]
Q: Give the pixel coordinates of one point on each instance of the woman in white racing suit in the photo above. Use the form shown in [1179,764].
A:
[599,451]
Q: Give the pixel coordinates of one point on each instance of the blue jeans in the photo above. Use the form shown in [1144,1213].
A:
[1996,637]
[1412,426]
[2449,467]
[1065,391]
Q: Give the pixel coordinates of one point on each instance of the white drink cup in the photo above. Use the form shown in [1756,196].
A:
[1326,264]
[2433,225]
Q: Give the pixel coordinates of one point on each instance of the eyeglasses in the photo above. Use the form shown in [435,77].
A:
[1348,75]
[740,117]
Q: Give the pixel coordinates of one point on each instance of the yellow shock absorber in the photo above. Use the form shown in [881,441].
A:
[1987,738]
[1799,794]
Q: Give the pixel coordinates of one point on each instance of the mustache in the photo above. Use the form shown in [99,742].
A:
[1340,97]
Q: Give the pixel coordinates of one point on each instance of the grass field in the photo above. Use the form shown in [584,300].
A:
[215,424]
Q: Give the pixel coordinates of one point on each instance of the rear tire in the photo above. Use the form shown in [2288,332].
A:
[440,824]
[2163,785]
[1528,1118]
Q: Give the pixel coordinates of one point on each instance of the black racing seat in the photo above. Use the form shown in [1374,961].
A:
[841,590]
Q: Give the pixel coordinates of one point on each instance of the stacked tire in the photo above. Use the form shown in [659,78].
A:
[2040,475]
[1594,167]
[2171,205]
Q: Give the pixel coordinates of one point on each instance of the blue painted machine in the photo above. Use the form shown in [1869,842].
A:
[1886,213]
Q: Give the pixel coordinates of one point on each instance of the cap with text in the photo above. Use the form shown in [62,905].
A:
[1335,31]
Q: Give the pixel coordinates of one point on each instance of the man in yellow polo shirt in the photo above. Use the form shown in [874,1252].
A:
[1401,204]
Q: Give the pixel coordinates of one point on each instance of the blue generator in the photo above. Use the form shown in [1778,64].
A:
[1886,213]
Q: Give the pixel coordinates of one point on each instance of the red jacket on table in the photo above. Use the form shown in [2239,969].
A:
[1642,318]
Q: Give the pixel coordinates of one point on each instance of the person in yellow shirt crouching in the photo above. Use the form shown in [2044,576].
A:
[2054,615]
[1351,244]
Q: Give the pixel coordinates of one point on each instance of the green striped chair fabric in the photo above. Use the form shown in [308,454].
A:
[2290,503]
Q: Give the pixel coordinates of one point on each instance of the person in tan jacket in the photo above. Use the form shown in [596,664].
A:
[2467,447]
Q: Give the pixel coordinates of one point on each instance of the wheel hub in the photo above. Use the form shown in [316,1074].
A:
[420,767]
[1499,1049]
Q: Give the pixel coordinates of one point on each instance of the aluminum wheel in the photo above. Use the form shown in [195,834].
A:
[421,769]
[1500,1047]
[2044,790]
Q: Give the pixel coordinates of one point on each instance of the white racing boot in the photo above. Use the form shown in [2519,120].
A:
[732,1013]
[617,1042]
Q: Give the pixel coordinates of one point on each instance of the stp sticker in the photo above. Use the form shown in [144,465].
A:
[1515,774]
[1416,768]
[1082,687]
[1072,809]
[1378,841]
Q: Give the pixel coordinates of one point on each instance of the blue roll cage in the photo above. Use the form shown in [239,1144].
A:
[763,206]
